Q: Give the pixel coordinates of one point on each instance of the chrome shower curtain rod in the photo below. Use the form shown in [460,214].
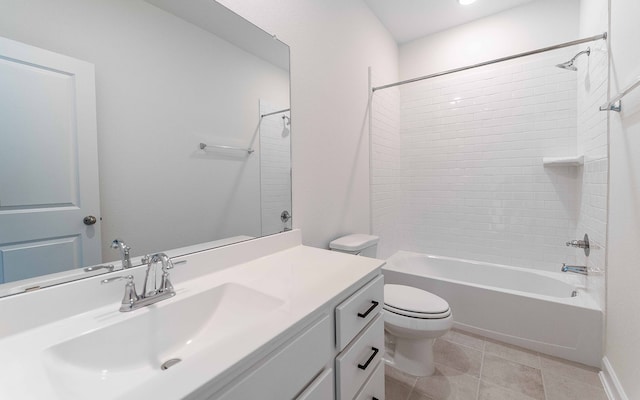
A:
[497,60]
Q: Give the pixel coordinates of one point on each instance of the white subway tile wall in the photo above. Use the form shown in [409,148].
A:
[593,75]
[468,179]
[387,176]
[275,169]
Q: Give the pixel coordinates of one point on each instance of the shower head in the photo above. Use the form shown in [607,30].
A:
[569,64]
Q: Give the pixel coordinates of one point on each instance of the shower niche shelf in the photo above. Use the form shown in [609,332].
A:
[572,161]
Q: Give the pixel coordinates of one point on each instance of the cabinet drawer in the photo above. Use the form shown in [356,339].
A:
[321,388]
[374,387]
[358,360]
[358,310]
[286,373]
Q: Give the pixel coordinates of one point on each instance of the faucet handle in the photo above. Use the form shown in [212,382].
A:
[165,284]
[109,267]
[578,243]
[129,279]
[581,244]
[130,294]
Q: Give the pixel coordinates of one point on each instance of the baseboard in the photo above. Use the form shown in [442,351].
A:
[610,381]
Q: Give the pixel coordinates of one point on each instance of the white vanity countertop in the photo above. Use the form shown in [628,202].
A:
[297,281]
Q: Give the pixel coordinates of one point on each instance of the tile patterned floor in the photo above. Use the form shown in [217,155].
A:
[471,367]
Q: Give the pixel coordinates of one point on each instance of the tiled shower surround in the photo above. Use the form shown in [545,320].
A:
[275,169]
[457,164]
[387,178]
[592,78]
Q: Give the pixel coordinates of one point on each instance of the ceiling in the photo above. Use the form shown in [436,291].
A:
[407,20]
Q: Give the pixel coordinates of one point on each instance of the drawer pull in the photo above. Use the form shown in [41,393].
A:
[374,304]
[371,357]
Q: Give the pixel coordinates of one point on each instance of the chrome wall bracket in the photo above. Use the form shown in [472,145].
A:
[617,106]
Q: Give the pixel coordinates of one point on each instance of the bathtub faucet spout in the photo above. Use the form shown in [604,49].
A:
[576,269]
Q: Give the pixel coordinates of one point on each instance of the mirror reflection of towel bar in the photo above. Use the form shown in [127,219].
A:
[217,146]
[274,112]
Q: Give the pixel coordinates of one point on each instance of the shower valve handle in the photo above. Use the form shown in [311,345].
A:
[581,244]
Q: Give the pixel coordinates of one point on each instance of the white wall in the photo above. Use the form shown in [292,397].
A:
[537,24]
[623,269]
[163,86]
[333,42]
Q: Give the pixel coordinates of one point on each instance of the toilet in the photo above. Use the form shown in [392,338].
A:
[413,318]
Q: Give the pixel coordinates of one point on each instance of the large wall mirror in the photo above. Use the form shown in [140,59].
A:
[163,123]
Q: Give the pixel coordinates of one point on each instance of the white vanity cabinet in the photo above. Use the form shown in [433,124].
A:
[356,312]
[327,359]
[373,389]
[289,369]
[321,388]
[360,336]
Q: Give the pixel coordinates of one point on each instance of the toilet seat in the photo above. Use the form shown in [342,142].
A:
[414,303]
[418,315]
[417,327]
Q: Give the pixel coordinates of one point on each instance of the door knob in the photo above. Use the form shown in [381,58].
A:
[89,220]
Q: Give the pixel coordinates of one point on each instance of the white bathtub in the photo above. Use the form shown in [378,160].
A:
[543,311]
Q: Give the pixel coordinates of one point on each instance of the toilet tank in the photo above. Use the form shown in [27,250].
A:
[356,243]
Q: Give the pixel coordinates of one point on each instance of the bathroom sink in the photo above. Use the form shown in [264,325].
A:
[124,353]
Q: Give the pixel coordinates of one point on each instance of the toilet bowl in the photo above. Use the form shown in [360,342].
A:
[413,318]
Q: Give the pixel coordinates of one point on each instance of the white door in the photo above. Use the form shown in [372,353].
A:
[48,163]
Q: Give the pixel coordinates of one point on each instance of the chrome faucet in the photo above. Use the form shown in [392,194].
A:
[165,283]
[132,300]
[576,269]
[124,252]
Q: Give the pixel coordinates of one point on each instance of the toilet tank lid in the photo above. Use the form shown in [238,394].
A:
[354,242]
